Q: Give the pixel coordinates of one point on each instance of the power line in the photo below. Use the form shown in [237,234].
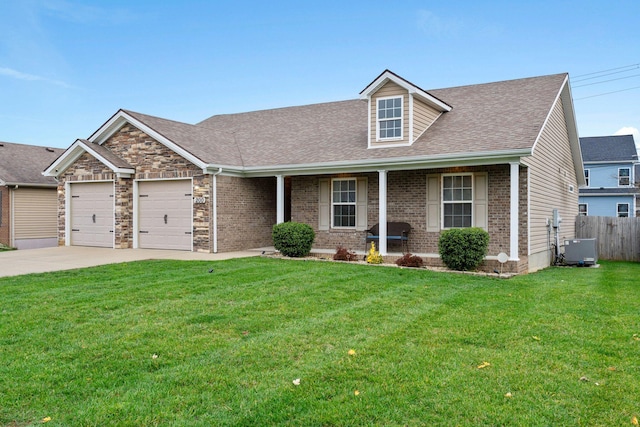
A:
[610,69]
[607,74]
[607,93]
[606,81]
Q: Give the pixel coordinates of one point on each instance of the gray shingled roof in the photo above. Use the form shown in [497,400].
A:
[23,164]
[488,117]
[106,154]
[615,148]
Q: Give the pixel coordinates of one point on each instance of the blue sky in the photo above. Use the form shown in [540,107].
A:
[66,66]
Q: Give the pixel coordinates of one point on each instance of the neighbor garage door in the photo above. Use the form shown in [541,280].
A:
[92,214]
[165,214]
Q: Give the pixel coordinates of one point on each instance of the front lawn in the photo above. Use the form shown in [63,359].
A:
[169,343]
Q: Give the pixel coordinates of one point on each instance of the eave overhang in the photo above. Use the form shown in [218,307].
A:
[73,153]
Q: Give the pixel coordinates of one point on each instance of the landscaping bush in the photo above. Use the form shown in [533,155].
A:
[373,256]
[343,254]
[293,239]
[409,260]
[463,248]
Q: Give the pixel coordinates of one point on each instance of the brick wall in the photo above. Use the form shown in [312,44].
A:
[246,212]
[5,222]
[406,202]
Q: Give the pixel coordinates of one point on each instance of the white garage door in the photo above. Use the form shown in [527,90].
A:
[92,214]
[165,214]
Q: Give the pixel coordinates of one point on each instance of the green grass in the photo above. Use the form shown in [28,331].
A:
[79,346]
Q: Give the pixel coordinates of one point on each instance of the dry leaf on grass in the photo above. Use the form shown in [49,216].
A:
[296,381]
[352,352]
[484,365]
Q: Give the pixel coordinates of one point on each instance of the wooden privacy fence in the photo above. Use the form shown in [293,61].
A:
[618,238]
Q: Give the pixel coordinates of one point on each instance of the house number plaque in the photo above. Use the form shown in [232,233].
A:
[198,200]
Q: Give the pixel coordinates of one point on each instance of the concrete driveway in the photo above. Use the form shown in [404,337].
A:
[14,263]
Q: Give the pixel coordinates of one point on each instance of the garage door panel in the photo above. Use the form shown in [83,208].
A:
[92,214]
[165,214]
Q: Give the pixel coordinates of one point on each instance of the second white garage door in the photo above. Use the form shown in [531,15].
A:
[165,214]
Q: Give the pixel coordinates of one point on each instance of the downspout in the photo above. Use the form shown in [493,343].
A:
[214,208]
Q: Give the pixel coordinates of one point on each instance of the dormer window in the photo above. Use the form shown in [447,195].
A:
[390,118]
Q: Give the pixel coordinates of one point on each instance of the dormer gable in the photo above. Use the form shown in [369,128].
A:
[399,111]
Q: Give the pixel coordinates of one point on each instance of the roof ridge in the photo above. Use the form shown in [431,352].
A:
[500,81]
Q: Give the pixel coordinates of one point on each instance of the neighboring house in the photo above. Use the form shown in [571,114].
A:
[28,200]
[500,156]
[609,170]
[636,174]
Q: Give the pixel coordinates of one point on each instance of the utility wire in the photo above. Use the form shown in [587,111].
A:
[607,93]
[605,81]
[604,75]
[604,71]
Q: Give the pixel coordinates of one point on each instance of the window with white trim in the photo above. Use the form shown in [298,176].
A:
[389,118]
[623,210]
[457,201]
[343,203]
[583,209]
[586,177]
[624,175]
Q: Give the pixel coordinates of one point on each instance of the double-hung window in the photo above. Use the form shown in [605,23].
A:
[457,201]
[623,210]
[586,177]
[583,209]
[624,177]
[343,202]
[390,118]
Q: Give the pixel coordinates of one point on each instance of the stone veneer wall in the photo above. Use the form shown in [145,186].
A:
[5,220]
[85,169]
[246,212]
[152,161]
[406,202]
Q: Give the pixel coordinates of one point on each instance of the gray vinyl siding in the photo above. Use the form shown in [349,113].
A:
[423,117]
[551,173]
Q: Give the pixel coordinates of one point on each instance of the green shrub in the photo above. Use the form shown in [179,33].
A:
[463,248]
[293,239]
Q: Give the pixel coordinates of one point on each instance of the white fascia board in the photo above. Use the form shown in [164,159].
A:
[65,160]
[416,91]
[116,122]
[398,163]
[74,152]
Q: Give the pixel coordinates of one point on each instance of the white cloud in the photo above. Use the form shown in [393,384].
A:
[30,77]
[628,130]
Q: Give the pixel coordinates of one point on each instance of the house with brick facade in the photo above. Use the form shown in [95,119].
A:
[28,200]
[500,156]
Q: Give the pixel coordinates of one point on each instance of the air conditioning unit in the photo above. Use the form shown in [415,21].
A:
[580,252]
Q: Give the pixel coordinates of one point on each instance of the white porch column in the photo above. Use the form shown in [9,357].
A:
[382,209]
[515,197]
[280,199]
